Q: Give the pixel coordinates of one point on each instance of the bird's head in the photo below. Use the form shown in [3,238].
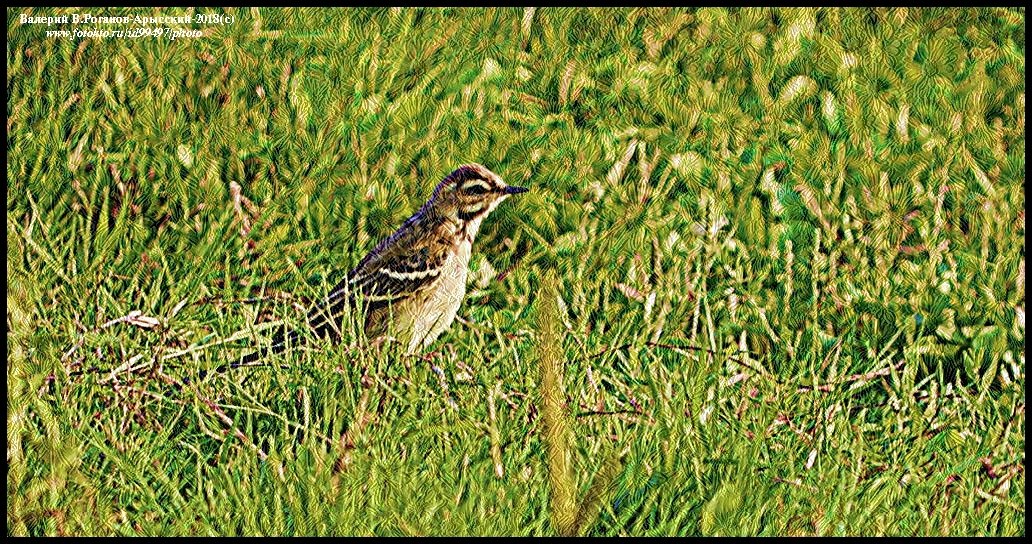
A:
[470,193]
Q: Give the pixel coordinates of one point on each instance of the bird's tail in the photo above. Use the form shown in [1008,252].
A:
[280,342]
[322,322]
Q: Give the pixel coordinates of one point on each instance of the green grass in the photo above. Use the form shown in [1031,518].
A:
[787,251]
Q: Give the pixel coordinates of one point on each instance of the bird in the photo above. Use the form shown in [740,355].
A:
[412,283]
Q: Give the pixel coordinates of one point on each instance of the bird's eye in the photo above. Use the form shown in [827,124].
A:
[477,189]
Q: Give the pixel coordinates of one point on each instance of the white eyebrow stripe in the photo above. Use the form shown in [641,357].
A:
[473,182]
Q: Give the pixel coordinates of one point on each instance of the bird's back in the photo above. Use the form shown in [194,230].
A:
[399,269]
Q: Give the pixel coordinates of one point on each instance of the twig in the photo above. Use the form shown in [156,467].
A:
[130,366]
[590,413]
[213,406]
[496,448]
[998,500]
[473,325]
[867,376]
[228,422]
[147,393]
[135,317]
[1011,473]
[677,348]
[347,440]
[262,410]
[518,258]
[281,296]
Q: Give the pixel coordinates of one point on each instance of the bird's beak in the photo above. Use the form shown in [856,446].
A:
[513,190]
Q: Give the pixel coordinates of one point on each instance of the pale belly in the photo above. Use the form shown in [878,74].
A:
[424,317]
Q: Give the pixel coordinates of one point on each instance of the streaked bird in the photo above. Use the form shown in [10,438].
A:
[412,283]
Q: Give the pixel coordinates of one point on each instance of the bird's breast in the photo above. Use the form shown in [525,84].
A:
[456,268]
[434,312]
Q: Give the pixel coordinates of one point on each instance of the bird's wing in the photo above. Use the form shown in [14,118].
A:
[401,266]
